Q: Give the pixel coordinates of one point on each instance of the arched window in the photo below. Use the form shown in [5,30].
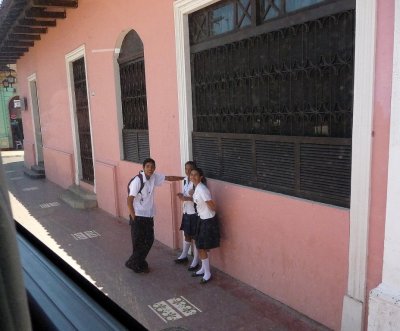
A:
[135,134]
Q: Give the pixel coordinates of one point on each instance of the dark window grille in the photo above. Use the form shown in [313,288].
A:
[82,114]
[135,135]
[292,83]
[309,167]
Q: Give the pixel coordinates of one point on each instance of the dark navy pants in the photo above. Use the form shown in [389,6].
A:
[142,234]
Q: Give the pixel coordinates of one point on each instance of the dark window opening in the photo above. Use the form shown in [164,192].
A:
[274,110]
[83,120]
[135,134]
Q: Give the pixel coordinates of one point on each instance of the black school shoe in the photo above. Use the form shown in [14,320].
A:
[181,261]
[205,281]
[129,264]
[144,267]
[197,275]
[144,270]
[194,268]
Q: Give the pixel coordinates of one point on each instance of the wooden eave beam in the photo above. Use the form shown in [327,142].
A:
[23,21]
[18,52]
[13,50]
[9,58]
[29,30]
[33,22]
[18,43]
[12,56]
[56,3]
[23,37]
[6,58]
[35,12]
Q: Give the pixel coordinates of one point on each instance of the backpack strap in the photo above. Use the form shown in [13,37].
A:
[141,182]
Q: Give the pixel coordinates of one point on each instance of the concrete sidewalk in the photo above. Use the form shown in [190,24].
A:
[97,245]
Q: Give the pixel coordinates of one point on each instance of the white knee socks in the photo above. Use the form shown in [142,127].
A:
[205,264]
[186,246]
[195,256]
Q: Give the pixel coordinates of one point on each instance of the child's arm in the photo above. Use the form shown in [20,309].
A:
[174,178]
[183,198]
[212,205]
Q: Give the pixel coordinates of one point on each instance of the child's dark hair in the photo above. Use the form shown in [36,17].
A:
[149,160]
[191,163]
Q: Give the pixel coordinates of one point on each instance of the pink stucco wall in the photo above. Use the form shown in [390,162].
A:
[293,250]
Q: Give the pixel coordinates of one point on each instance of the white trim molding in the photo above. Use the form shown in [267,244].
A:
[182,8]
[32,78]
[384,301]
[364,80]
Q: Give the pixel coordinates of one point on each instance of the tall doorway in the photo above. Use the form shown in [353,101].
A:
[80,116]
[83,121]
[36,121]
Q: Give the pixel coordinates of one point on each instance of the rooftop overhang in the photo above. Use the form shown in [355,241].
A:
[22,22]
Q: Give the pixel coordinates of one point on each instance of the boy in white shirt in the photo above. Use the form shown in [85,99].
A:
[141,213]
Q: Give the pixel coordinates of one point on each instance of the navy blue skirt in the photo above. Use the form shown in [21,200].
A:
[189,224]
[207,235]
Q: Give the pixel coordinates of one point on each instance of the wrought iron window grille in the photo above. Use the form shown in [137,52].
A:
[294,82]
[135,135]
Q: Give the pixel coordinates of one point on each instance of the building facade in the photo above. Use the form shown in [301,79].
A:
[289,106]
[8,116]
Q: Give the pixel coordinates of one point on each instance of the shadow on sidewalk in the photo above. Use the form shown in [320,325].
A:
[97,245]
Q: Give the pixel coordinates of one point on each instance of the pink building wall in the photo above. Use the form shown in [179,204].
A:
[291,249]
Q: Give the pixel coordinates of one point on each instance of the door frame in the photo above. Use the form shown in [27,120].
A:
[35,119]
[69,59]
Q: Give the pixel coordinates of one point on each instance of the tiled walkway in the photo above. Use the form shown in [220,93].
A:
[97,244]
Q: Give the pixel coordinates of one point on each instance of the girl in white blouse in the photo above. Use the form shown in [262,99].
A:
[189,220]
[207,234]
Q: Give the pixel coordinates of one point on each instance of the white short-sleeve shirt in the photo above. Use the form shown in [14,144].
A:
[200,196]
[188,206]
[144,201]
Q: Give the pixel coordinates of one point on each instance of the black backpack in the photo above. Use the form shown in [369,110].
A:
[141,182]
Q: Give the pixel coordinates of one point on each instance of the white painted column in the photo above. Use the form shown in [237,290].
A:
[364,79]
[384,301]
[182,8]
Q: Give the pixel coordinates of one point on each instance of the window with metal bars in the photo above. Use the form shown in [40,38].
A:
[272,105]
[135,134]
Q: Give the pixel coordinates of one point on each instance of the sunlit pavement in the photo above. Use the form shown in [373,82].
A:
[97,245]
